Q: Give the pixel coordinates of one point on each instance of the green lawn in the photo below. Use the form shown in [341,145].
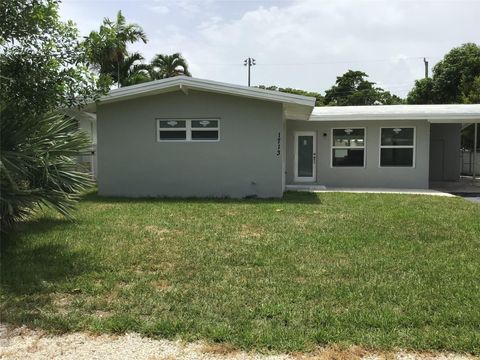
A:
[379,271]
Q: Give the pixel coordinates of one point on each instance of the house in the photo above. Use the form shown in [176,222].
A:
[190,137]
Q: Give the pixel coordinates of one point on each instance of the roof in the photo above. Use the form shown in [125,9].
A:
[295,106]
[448,113]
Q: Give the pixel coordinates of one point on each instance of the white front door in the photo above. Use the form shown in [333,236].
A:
[305,156]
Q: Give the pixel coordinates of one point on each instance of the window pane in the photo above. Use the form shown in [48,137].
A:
[348,137]
[173,135]
[172,123]
[348,157]
[205,135]
[396,157]
[204,123]
[305,156]
[397,136]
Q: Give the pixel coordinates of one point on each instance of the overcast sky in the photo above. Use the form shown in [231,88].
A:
[296,43]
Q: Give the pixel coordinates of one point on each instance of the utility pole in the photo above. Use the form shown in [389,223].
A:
[249,62]
[426,67]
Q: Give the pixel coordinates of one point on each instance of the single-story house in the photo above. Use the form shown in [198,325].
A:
[188,137]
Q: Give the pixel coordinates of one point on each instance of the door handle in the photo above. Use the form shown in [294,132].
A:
[314,157]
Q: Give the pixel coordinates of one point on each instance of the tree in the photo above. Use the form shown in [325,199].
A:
[455,75]
[133,70]
[43,68]
[455,79]
[319,98]
[107,48]
[352,88]
[166,66]
[422,93]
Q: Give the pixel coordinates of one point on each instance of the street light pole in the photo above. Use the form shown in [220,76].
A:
[249,62]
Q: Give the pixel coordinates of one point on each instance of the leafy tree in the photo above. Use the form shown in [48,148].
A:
[455,75]
[455,79]
[352,88]
[422,93]
[43,68]
[166,66]
[319,98]
[107,48]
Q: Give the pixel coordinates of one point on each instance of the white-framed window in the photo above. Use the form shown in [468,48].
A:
[348,147]
[188,130]
[397,146]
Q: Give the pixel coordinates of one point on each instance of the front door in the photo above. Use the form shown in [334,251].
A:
[305,156]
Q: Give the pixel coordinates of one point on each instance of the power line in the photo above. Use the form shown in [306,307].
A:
[323,62]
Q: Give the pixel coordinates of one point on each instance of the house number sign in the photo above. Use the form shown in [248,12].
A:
[278,144]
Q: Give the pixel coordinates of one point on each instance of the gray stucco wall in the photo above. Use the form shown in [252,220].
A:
[445,142]
[372,175]
[244,162]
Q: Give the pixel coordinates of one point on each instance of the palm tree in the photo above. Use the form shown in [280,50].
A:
[133,70]
[165,66]
[38,165]
[107,48]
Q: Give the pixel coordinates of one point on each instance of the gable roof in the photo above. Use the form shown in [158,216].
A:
[448,113]
[295,106]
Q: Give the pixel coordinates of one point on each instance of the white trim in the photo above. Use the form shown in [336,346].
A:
[442,113]
[188,129]
[364,147]
[414,147]
[182,82]
[313,178]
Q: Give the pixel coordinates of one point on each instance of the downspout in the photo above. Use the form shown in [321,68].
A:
[475,141]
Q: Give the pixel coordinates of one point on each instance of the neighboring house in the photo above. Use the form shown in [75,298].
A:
[189,137]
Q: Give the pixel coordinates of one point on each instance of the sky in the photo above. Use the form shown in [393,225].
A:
[302,44]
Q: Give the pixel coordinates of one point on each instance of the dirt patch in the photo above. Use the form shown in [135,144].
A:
[23,343]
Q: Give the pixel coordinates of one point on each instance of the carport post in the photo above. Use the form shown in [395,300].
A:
[475,141]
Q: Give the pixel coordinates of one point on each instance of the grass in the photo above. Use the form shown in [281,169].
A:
[378,271]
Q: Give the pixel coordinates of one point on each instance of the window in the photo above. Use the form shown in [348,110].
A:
[188,130]
[348,147]
[397,147]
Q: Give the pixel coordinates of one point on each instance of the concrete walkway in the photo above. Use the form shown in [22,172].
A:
[321,188]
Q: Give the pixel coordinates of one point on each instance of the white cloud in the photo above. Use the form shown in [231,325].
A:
[302,43]
[159,9]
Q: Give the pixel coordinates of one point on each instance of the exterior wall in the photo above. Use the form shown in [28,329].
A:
[372,175]
[246,161]
[445,143]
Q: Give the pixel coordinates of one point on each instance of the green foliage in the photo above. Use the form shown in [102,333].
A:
[455,79]
[319,98]
[46,68]
[352,88]
[165,66]
[382,271]
[422,92]
[43,68]
[133,70]
[107,51]
[22,19]
[38,164]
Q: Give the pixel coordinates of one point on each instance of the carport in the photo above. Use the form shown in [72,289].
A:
[445,148]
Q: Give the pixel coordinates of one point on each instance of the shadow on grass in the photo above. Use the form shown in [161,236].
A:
[32,269]
[290,197]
